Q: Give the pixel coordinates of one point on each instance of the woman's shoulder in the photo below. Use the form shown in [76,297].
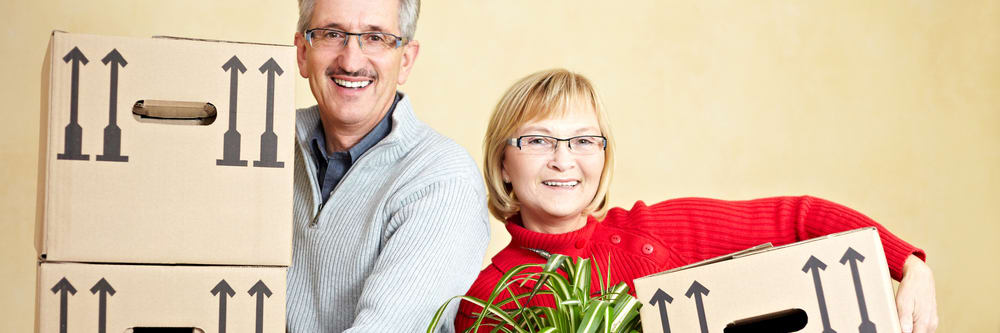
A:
[509,258]
[667,215]
[485,282]
[642,212]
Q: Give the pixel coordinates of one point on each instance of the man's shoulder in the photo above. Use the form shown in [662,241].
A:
[434,151]
[307,119]
[437,159]
[435,143]
[307,114]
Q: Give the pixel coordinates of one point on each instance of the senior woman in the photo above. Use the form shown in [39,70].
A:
[548,161]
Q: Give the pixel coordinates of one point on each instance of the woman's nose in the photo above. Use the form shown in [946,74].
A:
[562,159]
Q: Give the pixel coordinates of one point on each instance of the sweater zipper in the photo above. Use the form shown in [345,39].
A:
[315,219]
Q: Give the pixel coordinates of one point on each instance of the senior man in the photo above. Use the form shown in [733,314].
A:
[390,217]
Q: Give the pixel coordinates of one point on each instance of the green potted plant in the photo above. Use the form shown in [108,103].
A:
[612,310]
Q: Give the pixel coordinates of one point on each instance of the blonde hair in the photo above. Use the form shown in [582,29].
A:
[539,96]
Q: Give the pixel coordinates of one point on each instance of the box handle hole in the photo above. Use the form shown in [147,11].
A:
[174,112]
[784,321]
[164,330]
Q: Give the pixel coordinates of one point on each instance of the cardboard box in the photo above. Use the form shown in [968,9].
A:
[76,297]
[837,283]
[115,186]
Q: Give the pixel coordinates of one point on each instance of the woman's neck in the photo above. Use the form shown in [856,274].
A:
[552,225]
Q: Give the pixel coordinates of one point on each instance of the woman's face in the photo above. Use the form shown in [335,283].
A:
[556,186]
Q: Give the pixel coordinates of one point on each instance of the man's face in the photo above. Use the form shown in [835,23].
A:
[354,88]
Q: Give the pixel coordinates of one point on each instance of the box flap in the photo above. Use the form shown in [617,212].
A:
[218,41]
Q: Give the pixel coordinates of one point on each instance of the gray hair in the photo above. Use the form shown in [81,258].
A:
[409,11]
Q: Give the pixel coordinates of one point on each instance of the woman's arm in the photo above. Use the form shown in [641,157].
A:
[703,228]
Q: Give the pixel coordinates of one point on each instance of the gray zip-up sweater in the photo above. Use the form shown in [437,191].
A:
[403,231]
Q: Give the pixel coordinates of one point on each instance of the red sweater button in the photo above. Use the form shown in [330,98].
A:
[647,249]
[615,239]
[580,243]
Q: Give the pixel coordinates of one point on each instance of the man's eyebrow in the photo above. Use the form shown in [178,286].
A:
[333,26]
[367,28]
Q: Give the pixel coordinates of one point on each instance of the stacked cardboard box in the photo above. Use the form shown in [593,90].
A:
[165,185]
[837,283]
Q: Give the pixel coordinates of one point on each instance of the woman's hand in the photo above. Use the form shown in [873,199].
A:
[915,299]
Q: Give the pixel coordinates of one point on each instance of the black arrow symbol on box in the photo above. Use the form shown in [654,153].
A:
[260,289]
[661,298]
[697,290]
[223,291]
[112,133]
[815,265]
[231,140]
[867,326]
[74,133]
[105,289]
[62,287]
[269,140]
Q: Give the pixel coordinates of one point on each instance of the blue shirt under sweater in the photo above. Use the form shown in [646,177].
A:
[330,168]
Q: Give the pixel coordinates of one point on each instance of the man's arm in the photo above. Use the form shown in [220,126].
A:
[438,237]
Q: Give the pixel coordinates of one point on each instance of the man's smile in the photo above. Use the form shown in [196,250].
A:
[352,83]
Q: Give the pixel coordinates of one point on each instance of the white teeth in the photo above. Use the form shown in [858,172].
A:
[351,84]
[566,184]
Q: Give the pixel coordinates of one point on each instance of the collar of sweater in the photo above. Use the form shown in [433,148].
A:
[573,244]
[405,132]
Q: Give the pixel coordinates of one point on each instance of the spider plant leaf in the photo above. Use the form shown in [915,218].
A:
[593,317]
[611,310]
[581,281]
[606,319]
[501,316]
[437,315]
[492,309]
[626,309]
[552,265]
[600,278]
[501,285]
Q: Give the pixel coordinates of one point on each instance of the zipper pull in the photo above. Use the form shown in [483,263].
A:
[315,219]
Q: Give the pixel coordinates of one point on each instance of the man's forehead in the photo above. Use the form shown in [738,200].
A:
[357,15]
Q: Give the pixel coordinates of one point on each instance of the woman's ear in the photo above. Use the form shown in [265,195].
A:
[503,172]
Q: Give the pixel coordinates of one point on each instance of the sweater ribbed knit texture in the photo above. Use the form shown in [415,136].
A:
[403,231]
[673,233]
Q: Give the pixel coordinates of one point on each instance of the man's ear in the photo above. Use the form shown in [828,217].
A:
[410,52]
[300,54]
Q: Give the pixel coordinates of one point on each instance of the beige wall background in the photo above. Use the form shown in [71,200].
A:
[889,107]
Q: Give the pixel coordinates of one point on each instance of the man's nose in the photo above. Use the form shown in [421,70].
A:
[351,57]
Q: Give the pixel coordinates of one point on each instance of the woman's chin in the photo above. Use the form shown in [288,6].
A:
[564,215]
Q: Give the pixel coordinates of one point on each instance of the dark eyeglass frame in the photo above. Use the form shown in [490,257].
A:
[516,142]
[400,41]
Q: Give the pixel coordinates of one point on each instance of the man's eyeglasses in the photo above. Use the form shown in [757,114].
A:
[543,144]
[369,42]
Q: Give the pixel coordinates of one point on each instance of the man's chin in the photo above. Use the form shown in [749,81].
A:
[351,111]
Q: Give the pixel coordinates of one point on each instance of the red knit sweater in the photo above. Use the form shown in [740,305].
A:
[673,233]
